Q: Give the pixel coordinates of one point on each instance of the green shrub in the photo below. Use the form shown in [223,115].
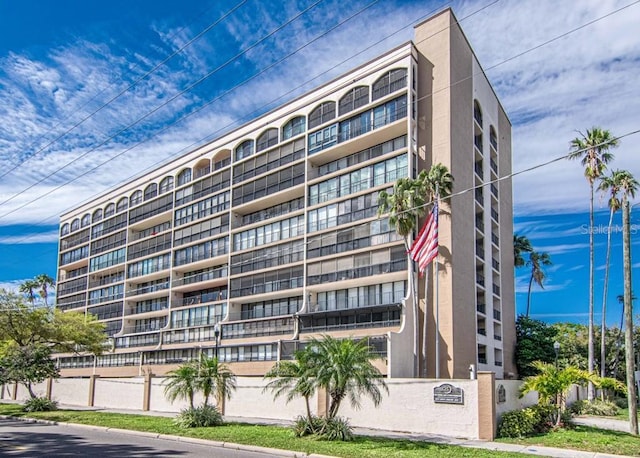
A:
[304,426]
[525,422]
[336,429]
[198,417]
[39,405]
[597,407]
[622,403]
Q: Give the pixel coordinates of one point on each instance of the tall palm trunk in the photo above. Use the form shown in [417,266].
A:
[590,389]
[603,328]
[628,316]
[529,294]
[414,296]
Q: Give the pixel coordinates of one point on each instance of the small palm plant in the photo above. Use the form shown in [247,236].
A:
[181,383]
[214,378]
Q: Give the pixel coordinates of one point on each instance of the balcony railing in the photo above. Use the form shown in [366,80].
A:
[481,307]
[494,165]
[494,142]
[496,314]
[479,279]
[358,272]
[495,239]
[495,264]
[480,223]
[494,190]
[477,141]
[497,337]
[494,215]
[338,327]
[482,331]
[478,193]
[496,289]
[356,302]
[202,276]
[478,168]
[479,251]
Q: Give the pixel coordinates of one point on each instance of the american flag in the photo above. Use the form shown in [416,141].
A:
[425,246]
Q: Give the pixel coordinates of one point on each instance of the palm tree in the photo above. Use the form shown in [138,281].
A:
[553,384]
[181,383]
[536,262]
[628,187]
[438,183]
[521,244]
[344,368]
[29,287]
[44,281]
[592,149]
[213,377]
[295,378]
[608,184]
[404,206]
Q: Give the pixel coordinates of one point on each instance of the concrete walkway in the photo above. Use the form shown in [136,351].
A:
[604,423]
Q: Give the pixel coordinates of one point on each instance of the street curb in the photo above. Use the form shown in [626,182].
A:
[169,437]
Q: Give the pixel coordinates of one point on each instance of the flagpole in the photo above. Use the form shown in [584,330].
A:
[437,301]
[424,327]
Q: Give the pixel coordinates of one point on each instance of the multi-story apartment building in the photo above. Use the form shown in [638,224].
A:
[255,242]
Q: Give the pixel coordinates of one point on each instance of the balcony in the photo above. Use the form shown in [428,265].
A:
[494,215]
[496,290]
[479,279]
[481,307]
[494,165]
[478,168]
[495,264]
[480,223]
[496,315]
[479,199]
[358,272]
[477,141]
[493,140]
[479,250]
[482,331]
[497,337]
[494,190]
[495,239]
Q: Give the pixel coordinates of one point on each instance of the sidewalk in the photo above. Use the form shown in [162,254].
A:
[603,423]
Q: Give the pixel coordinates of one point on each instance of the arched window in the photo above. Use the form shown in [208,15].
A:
[65,229]
[122,205]
[266,139]
[294,127]
[75,224]
[245,149]
[389,82]
[322,113]
[109,210]
[354,99]
[150,191]
[86,220]
[477,112]
[184,177]
[202,168]
[135,198]
[166,185]
[97,216]
[493,138]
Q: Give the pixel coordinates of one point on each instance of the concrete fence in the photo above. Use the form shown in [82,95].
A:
[460,408]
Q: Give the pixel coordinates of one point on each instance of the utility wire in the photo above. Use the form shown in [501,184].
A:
[122,92]
[157,108]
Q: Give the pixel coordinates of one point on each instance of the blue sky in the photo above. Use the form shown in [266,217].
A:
[556,66]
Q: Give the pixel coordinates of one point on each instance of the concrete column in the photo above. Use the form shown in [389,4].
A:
[49,388]
[92,389]
[487,425]
[14,393]
[147,391]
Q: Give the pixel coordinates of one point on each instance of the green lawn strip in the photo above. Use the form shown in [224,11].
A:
[264,436]
[623,414]
[584,438]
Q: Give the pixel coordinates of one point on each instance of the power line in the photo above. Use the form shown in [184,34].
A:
[122,92]
[156,109]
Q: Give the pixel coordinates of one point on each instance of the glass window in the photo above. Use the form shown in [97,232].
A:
[268,138]
[322,113]
[354,99]
[245,149]
[166,185]
[136,198]
[293,127]
[184,177]
[150,191]
[109,210]
[97,216]
[122,204]
[86,219]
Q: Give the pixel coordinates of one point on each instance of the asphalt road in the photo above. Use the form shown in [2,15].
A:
[23,439]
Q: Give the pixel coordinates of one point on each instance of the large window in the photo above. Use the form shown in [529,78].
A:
[245,149]
[108,294]
[97,216]
[166,185]
[205,250]
[155,207]
[203,230]
[149,266]
[273,280]
[204,208]
[150,191]
[324,112]
[293,127]
[354,99]
[267,139]
[74,255]
[280,230]
[86,220]
[184,177]
[122,205]
[389,82]
[136,198]
[269,184]
[109,210]
[347,211]
[363,296]
[107,260]
[273,256]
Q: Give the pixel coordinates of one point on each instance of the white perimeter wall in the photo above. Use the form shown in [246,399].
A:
[73,391]
[119,393]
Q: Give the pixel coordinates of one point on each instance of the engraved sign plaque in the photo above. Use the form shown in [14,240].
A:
[448,394]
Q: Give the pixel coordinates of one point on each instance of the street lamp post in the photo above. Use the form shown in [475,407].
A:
[556,348]
[216,334]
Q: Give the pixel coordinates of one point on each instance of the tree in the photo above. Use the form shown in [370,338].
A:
[213,377]
[611,185]
[29,287]
[44,282]
[534,342]
[536,262]
[574,344]
[181,383]
[344,368]
[27,365]
[521,244]
[553,384]
[628,188]
[293,378]
[63,332]
[404,206]
[592,149]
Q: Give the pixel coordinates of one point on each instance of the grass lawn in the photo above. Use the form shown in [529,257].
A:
[585,438]
[623,414]
[265,436]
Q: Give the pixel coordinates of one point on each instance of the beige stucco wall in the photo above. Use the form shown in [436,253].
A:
[73,391]
[119,393]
